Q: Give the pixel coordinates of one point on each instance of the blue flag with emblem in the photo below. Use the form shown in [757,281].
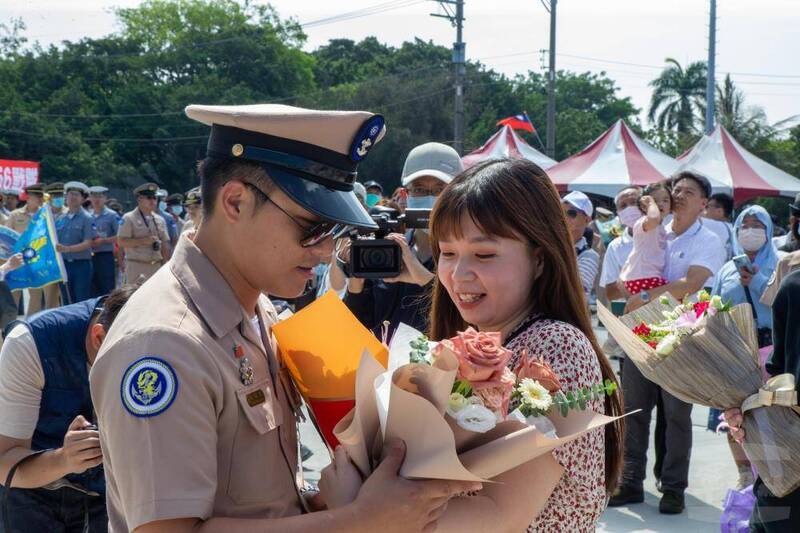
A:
[43,264]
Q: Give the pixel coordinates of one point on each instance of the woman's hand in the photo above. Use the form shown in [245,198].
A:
[734,419]
[413,271]
[747,276]
[340,481]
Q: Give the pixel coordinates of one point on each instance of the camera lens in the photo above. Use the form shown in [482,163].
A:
[377,258]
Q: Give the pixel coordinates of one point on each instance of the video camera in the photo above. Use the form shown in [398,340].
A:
[375,257]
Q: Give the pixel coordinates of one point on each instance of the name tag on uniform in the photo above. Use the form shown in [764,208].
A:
[256,398]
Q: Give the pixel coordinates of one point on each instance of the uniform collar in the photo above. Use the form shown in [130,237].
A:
[209,291]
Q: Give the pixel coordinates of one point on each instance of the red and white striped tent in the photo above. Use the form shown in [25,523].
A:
[735,171]
[506,143]
[615,160]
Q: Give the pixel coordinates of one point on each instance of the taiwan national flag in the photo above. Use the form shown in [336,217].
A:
[518,122]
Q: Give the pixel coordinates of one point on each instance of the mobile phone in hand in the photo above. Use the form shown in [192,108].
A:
[743,262]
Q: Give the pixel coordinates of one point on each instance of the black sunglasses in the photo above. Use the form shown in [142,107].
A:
[572,213]
[312,235]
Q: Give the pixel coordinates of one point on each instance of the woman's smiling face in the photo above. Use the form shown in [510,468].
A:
[489,278]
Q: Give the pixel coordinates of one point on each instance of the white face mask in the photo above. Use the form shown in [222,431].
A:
[751,239]
[629,215]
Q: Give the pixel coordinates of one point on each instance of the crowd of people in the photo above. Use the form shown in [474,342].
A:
[150,394]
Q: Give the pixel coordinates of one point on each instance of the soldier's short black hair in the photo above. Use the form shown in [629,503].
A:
[114,303]
[217,171]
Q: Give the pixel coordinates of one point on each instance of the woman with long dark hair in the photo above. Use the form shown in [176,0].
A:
[505,262]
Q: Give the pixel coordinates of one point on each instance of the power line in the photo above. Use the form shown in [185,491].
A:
[364,12]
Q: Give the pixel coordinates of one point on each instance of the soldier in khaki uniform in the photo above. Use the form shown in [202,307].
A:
[18,220]
[193,204]
[195,409]
[143,236]
[786,265]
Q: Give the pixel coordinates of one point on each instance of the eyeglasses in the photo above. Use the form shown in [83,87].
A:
[311,235]
[572,213]
[422,191]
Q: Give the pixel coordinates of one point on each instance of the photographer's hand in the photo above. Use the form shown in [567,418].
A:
[413,270]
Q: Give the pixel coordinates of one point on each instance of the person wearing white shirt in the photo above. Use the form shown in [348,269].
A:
[620,248]
[693,254]
[578,211]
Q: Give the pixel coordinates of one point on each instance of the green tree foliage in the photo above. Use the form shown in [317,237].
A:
[678,95]
[110,110]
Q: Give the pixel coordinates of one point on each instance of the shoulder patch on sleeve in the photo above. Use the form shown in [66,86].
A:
[149,386]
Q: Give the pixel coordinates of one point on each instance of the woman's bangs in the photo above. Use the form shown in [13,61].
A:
[488,214]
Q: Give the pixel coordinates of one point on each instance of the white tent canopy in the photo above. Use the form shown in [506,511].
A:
[506,143]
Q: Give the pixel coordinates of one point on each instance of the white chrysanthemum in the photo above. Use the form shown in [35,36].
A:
[476,418]
[534,394]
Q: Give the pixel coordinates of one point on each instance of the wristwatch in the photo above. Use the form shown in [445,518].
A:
[645,296]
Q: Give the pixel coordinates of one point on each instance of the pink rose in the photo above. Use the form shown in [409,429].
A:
[496,394]
[537,370]
[480,355]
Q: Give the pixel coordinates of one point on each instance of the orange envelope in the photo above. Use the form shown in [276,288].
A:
[321,347]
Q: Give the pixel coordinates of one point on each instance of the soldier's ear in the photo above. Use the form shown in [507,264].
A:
[97,335]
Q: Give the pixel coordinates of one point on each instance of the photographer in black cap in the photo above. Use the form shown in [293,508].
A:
[427,171]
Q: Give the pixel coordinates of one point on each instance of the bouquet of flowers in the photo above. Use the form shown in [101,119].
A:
[462,413]
[706,352]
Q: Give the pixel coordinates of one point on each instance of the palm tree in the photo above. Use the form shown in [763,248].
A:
[677,95]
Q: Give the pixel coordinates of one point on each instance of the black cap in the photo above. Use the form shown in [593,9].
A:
[56,187]
[310,155]
[373,184]
[175,199]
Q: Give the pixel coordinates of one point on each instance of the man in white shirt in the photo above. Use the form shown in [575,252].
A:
[578,210]
[620,248]
[693,254]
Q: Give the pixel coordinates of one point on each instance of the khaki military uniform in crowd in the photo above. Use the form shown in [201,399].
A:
[224,445]
[142,260]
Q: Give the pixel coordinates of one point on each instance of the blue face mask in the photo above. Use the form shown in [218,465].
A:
[162,206]
[57,202]
[175,209]
[372,199]
[421,202]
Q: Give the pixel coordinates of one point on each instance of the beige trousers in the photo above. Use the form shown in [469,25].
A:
[134,270]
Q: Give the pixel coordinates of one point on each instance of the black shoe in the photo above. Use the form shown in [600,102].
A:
[671,502]
[625,495]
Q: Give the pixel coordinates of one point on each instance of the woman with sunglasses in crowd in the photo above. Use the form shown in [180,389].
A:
[505,262]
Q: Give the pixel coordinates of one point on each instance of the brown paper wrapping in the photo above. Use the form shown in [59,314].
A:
[436,448]
[717,366]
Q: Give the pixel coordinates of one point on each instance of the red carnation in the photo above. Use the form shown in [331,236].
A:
[642,330]
[700,308]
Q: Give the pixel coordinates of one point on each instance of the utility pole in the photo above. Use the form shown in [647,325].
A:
[712,55]
[454,12]
[551,85]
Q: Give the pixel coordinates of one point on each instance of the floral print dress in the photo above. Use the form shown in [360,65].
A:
[580,496]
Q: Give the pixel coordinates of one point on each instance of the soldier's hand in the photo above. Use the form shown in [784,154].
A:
[81,449]
[340,481]
[398,504]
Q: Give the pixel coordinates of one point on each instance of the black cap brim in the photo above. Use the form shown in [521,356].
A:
[327,203]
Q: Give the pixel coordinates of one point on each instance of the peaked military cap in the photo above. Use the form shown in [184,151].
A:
[54,188]
[310,155]
[36,188]
[76,186]
[146,189]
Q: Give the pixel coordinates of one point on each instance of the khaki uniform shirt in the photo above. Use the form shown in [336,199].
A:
[19,219]
[136,226]
[182,436]
[785,266]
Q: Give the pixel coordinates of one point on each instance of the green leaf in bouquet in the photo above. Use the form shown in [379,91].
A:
[582,399]
[572,401]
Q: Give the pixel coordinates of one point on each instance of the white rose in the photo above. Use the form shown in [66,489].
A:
[476,418]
